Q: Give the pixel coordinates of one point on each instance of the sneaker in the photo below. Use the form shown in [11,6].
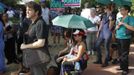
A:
[125,73]
[104,65]
[115,61]
[97,62]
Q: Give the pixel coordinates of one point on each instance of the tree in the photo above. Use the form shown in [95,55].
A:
[12,3]
[91,2]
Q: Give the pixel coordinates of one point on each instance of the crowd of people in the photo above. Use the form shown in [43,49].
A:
[111,32]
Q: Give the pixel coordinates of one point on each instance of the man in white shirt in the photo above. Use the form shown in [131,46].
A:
[86,11]
[90,13]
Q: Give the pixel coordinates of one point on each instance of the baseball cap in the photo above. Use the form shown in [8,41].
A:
[78,32]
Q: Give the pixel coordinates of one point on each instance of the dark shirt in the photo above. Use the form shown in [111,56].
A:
[37,30]
[35,56]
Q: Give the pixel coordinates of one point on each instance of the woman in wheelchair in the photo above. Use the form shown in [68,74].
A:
[77,58]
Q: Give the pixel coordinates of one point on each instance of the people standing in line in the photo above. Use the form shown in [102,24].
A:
[86,14]
[46,16]
[99,10]
[91,32]
[67,10]
[2,46]
[36,41]
[57,32]
[10,50]
[86,11]
[23,27]
[124,27]
[105,35]
[45,12]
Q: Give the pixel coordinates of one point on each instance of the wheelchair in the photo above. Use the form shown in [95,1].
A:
[68,68]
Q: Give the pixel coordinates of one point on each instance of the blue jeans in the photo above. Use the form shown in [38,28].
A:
[107,41]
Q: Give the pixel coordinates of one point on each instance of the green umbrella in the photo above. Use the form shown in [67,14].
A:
[103,1]
[72,21]
[117,2]
[122,2]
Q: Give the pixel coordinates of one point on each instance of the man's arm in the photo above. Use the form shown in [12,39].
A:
[129,26]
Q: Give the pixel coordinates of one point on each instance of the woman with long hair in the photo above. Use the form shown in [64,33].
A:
[105,35]
[77,56]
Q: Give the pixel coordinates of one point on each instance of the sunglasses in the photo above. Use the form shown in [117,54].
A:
[75,35]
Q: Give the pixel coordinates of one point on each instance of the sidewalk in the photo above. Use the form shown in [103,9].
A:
[93,69]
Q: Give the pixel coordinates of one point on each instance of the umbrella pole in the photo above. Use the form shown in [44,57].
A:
[71,33]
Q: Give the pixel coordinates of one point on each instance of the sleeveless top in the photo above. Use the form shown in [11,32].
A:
[75,51]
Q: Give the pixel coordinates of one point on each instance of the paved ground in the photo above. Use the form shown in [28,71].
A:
[92,69]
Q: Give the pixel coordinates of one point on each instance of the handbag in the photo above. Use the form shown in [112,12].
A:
[34,57]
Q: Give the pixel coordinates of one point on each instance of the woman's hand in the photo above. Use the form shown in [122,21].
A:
[110,18]
[23,46]
[119,24]
[64,60]
[97,35]
[117,27]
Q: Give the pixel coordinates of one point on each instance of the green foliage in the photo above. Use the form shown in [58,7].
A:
[132,4]
[37,1]
[91,2]
[12,3]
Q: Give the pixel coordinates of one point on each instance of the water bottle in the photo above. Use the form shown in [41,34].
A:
[77,66]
